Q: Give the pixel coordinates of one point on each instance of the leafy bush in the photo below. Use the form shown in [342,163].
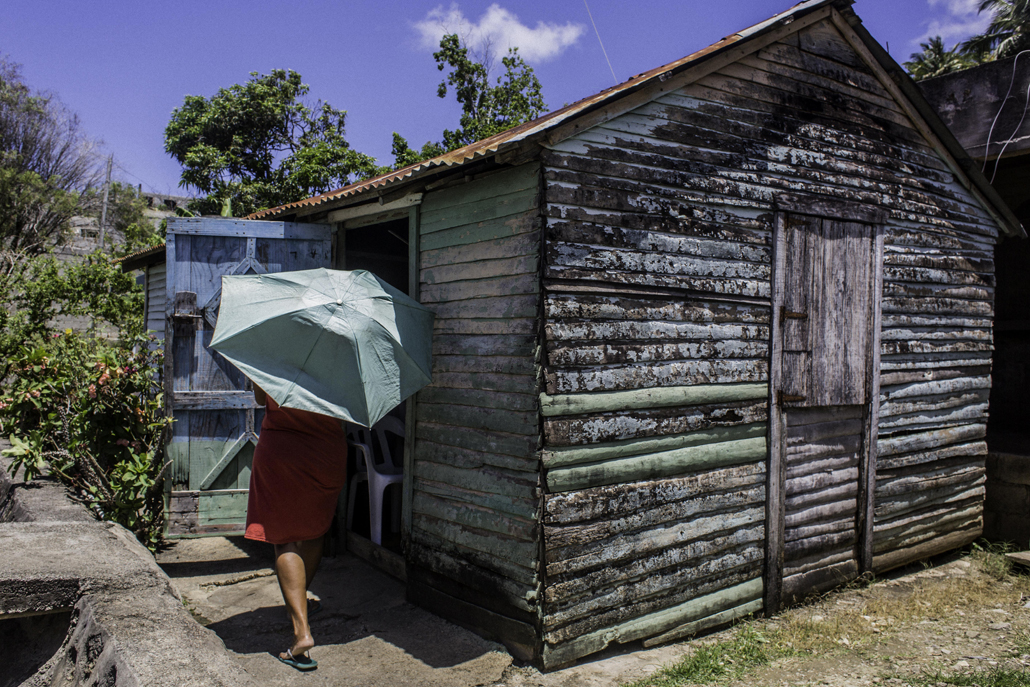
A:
[83,407]
[89,412]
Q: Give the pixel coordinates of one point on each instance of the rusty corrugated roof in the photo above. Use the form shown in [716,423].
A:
[509,138]
[141,258]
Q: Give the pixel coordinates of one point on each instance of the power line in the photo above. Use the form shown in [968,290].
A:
[150,187]
[598,34]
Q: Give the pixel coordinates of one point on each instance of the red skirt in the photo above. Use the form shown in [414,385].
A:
[299,469]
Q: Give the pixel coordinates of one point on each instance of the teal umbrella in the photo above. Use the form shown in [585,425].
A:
[345,344]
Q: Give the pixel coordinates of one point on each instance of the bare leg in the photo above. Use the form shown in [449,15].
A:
[291,570]
[311,552]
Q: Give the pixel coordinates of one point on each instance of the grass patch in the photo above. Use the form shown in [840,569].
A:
[864,615]
[997,676]
[715,662]
[992,559]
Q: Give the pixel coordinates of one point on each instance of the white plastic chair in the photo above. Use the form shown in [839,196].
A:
[379,470]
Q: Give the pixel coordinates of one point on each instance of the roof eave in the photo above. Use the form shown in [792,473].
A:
[1008,223]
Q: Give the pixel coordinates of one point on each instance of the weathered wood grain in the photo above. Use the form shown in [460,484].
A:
[620,614]
[562,456]
[515,445]
[580,616]
[562,311]
[488,419]
[638,376]
[599,402]
[887,508]
[639,543]
[702,606]
[612,502]
[584,534]
[653,466]
[930,439]
[572,431]
[573,586]
[951,540]
[580,355]
[972,450]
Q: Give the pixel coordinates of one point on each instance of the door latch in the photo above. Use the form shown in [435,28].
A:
[790,398]
[791,315]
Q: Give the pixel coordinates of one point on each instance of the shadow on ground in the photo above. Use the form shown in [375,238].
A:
[366,633]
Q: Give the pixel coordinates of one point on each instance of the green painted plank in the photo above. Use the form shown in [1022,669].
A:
[495,419]
[466,484]
[518,446]
[222,507]
[608,401]
[657,465]
[476,232]
[574,455]
[515,551]
[461,457]
[480,288]
[522,325]
[480,398]
[460,257]
[487,381]
[521,178]
[486,210]
[489,308]
[501,364]
[478,517]
[654,623]
[481,269]
[527,509]
[487,344]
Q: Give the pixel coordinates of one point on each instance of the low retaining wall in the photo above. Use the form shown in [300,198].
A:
[1007,501]
[92,591]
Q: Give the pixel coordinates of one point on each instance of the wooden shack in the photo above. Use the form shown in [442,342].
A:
[706,342]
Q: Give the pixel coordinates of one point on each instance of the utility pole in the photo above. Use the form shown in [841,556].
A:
[103,210]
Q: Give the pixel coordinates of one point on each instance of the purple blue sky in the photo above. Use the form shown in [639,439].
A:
[123,66]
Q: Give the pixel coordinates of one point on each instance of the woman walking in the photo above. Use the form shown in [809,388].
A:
[299,469]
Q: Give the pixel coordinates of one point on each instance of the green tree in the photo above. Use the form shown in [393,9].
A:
[1007,34]
[934,60]
[46,164]
[486,109]
[128,225]
[258,145]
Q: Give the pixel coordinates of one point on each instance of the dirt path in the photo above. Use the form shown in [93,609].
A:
[912,628]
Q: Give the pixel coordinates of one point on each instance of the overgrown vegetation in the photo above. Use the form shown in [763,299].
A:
[858,621]
[83,407]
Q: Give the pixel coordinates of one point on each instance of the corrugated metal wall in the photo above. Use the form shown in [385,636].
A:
[657,275]
[474,535]
[156,299]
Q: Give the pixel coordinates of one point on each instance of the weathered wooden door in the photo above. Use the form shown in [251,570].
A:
[216,421]
[824,399]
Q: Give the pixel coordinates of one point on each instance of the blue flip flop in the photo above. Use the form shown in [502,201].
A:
[299,662]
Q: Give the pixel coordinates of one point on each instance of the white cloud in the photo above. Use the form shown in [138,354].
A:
[955,21]
[496,31]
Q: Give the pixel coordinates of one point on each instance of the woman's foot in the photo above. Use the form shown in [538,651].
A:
[298,661]
[300,648]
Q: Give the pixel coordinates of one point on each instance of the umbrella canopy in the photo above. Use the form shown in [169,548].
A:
[345,344]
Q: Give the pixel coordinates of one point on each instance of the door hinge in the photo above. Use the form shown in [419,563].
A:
[790,398]
[791,315]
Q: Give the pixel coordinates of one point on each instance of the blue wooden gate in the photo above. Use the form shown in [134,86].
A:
[216,421]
